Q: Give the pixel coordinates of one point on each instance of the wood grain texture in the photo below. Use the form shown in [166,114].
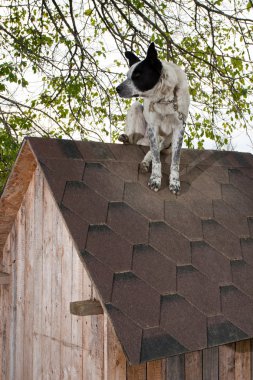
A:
[193,366]
[6,312]
[13,301]
[37,273]
[7,258]
[4,332]
[47,341]
[115,360]
[175,368]
[66,318]
[93,338]
[56,284]
[137,372]
[19,359]
[1,331]
[242,360]
[251,358]
[211,364]
[47,253]
[76,329]
[5,279]
[28,281]
[156,370]
[227,362]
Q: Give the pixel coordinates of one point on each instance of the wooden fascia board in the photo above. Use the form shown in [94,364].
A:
[15,189]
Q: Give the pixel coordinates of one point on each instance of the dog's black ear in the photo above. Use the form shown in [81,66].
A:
[131,57]
[152,53]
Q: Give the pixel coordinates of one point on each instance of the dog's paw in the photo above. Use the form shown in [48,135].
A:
[174,186]
[144,166]
[154,183]
[123,138]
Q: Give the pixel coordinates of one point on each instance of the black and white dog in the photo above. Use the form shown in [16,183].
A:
[160,122]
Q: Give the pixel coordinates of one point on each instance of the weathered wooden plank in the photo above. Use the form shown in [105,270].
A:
[156,370]
[251,357]
[37,274]
[175,368]
[4,333]
[77,331]
[93,333]
[97,328]
[19,360]
[1,332]
[7,290]
[115,361]
[227,362]
[13,300]
[7,261]
[56,283]
[66,318]
[193,366]
[5,279]
[88,365]
[242,360]
[87,307]
[28,282]
[137,372]
[47,231]
[211,364]
[5,313]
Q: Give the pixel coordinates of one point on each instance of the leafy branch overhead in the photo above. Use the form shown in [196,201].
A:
[60,62]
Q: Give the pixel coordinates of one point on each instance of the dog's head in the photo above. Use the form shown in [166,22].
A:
[142,76]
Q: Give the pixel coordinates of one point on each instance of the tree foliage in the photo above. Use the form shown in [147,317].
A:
[60,62]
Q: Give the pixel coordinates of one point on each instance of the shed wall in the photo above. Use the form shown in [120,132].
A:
[47,341]
[40,339]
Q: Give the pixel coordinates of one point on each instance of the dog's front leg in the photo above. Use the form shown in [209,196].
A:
[177,140]
[154,182]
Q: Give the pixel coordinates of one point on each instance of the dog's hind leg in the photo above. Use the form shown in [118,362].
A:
[135,125]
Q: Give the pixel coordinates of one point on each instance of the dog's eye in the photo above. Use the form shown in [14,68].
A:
[136,75]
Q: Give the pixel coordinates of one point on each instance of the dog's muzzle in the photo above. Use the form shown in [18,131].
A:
[126,90]
[119,89]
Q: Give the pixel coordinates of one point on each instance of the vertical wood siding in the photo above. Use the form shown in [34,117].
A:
[47,274]
[40,339]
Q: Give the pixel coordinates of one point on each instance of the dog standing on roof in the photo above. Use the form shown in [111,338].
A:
[160,122]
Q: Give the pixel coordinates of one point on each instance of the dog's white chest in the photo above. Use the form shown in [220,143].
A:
[162,117]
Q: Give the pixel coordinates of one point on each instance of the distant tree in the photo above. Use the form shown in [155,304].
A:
[59,67]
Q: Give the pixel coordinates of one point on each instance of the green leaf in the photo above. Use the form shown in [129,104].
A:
[237,63]
[88,12]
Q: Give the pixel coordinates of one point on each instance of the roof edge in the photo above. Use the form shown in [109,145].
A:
[14,191]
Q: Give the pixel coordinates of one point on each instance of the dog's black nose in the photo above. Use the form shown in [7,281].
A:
[118,89]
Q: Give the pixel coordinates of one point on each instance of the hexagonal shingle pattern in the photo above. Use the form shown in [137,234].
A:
[172,271]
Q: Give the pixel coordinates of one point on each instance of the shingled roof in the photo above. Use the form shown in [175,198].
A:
[174,273]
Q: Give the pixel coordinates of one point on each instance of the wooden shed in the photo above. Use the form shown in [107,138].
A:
[102,278]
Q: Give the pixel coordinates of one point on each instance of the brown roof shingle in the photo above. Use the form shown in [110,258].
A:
[172,271]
